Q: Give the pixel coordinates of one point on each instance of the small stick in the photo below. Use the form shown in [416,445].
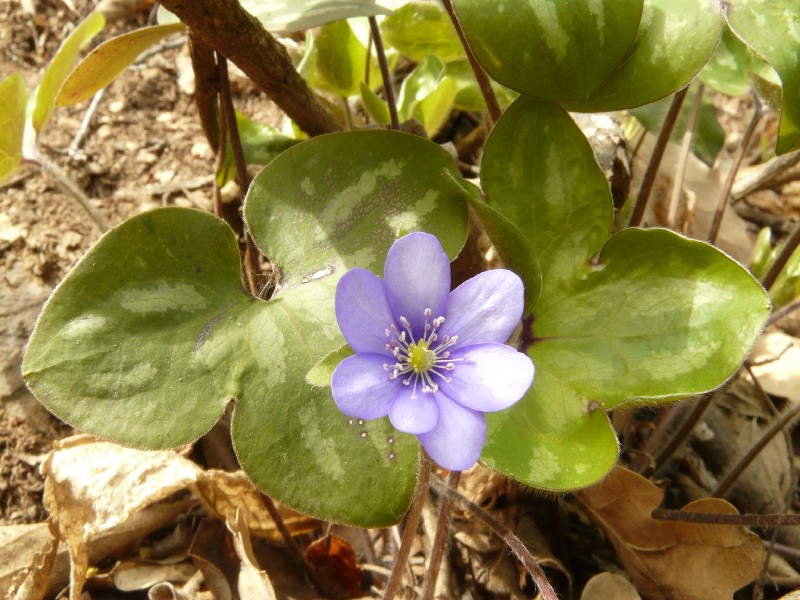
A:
[439,539]
[480,75]
[387,76]
[686,148]
[70,187]
[744,519]
[724,197]
[74,148]
[410,531]
[655,159]
[511,540]
[783,312]
[785,419]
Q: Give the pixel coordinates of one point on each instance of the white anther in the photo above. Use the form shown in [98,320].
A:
[427,312]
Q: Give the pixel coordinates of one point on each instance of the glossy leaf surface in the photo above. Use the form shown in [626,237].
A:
[13,98]
[422,29]
[553,50]
[772,28]
[151,335]
[341,60]
[646,314]
[108,60]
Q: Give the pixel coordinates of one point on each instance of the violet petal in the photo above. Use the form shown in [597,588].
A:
[485,308]
[417,276]
[361,386]
[413,415]
[488,377]
[363,311]
[457,440]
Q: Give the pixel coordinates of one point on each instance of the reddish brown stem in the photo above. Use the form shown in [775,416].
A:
[385,74]
[439,539]
[655,159]
[238,35]
[783,258]
[480,75]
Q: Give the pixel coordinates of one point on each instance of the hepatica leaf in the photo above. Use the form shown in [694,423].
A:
[151,334]
[650,314]
[12,121]
[772,28]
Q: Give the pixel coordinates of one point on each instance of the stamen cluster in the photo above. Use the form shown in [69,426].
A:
[421,359]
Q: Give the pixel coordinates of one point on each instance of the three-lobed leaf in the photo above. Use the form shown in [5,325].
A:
[151,335]
[645,316]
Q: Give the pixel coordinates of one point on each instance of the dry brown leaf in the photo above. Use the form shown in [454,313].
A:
[335,565]
[252,582]
[93,486]
[670,559]
[776,362]
[225,493]
[609,586]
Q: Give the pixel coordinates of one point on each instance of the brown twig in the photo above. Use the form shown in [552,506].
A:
[480,75]
[783,312]
[785,419]
[240,37]
[725,196]
[745,519]
[511,540]
[410,531]
[439,539]
[70,187]
[655,159]
[686,149]
[385,74]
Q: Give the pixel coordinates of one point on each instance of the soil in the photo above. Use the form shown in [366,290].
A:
[144,148]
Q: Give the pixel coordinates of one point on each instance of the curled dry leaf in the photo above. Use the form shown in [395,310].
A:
[252,582]
[336,567]
[671,559]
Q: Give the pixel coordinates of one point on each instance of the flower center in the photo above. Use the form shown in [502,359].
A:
[422,361]
[420,358]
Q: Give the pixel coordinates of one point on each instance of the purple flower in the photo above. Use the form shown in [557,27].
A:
[432,360]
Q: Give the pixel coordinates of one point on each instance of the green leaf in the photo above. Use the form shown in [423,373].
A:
[13,98]
[660,316]
[108,60]
[322,372]
[675,40]
[420,29]
[61,65]
[260,144]
[289,16]
[655,317]
[539,171]
[150,336]
[728,71]
[377,108]
[772,28]
[341,60]
[552,50]
[468,93]
[512,246]
[709,137]
[549,439]
[427,95]
[763,255]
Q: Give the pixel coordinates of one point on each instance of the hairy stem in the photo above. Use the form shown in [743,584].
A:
[655,159]
[238,35]
[70,187]
[385,74]
[410,531]
[737,162]
[439,539]
[511,540]
[686,148]
[480,75]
